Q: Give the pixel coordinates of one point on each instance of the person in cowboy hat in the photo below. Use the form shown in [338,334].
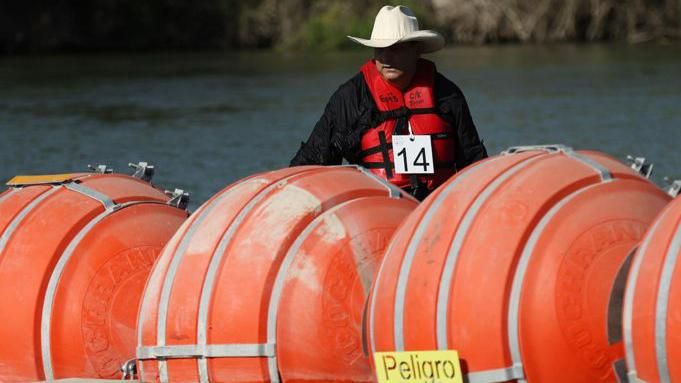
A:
[397,117]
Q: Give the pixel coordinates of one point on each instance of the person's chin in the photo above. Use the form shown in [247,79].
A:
[392,74]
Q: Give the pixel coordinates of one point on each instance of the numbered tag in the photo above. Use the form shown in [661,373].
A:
[413,154]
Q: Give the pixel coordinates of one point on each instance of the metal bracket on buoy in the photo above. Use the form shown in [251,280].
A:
[100,168]
[129,369]
[143,171]
[393,191]
[640,165]
[674,187]
[178,198]
[529,148]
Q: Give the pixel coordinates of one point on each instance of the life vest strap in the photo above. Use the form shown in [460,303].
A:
[381,165]
[373,150]
[383,145]
[379,149]
[399,113]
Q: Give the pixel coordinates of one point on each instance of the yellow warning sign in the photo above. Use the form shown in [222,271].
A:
[41,179]
[418,366]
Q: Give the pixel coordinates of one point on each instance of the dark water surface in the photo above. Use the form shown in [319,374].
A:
[206,120]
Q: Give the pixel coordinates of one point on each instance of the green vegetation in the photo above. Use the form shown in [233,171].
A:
[327,30]
[480,21]
[77,25]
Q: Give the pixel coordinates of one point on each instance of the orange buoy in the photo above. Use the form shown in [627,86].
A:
[75,252]
[513,263]
[268,279]
[652,306]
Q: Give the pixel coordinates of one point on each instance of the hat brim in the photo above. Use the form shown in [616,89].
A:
[431,41]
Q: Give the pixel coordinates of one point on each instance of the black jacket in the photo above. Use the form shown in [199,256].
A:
[351,111]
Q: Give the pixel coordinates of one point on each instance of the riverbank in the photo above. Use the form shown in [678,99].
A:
[226,25]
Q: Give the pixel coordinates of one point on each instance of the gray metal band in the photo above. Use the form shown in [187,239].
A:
[393,190]
[215,261]
[20,217]
[372,305]
[498,375]
[629,292]
[169,278]
[521,269]
[600,169]
[278,287]
[405,267]
[89,192]
[146,297]
[662,306]
[194,351]
[633,378]
[48,302]
[457,243]
[549,148]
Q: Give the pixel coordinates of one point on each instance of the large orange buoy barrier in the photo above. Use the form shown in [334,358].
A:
[75,252]
[514,262]
[267,280]
[652,306]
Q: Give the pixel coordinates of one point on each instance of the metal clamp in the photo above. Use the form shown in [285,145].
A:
[640,165]
[129,370]
[529,148]
[143,171]
[100,168]
[673,187]
[393,191]
[197,351]
[178,198]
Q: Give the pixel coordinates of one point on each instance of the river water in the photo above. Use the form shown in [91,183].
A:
[206,120]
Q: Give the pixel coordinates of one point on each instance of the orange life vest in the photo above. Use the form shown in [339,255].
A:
[397,109]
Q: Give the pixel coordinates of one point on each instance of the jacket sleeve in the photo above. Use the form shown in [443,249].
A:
[453,105]
[319,148]
[470,146]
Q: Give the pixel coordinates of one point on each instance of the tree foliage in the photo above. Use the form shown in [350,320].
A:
[43,25]
[480,21]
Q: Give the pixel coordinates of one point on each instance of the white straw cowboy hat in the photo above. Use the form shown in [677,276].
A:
[398,25]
